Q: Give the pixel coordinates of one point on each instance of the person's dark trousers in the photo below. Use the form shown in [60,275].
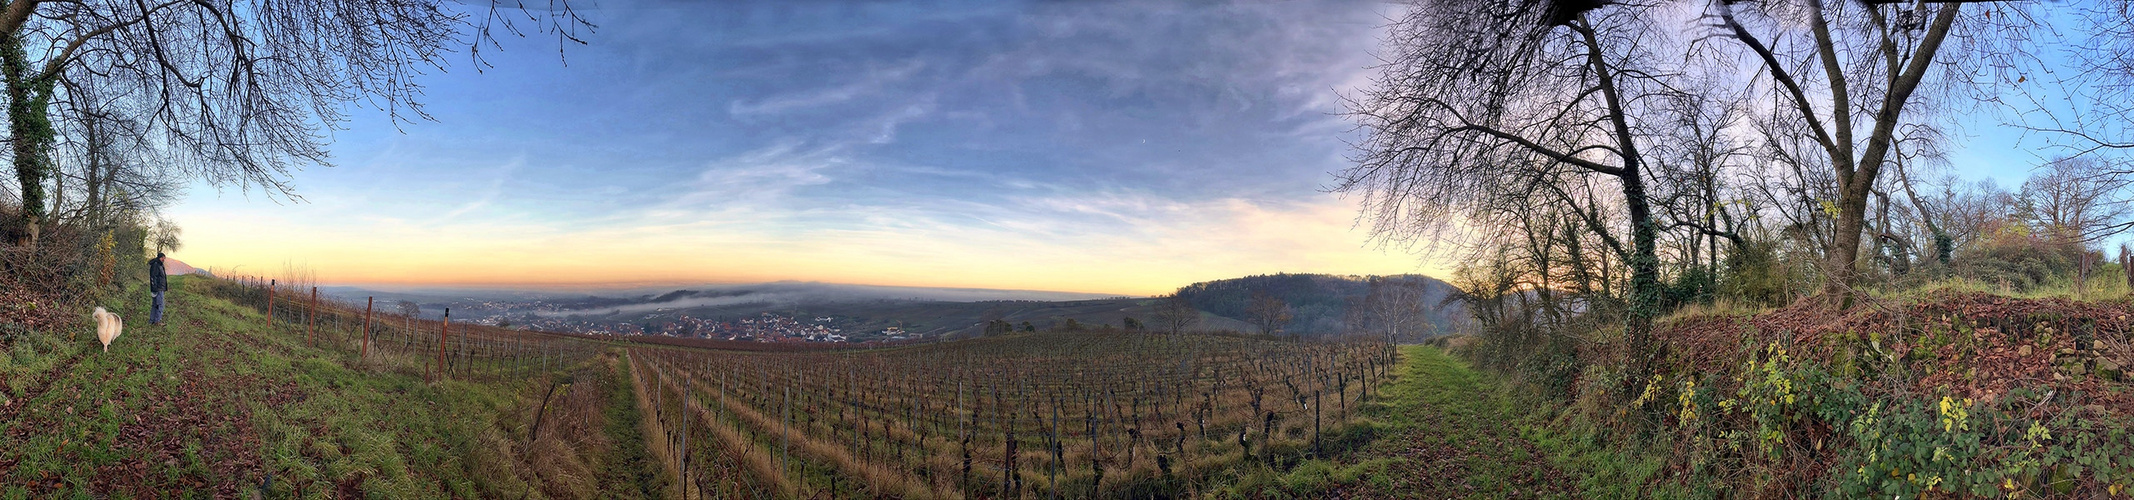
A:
[155,313]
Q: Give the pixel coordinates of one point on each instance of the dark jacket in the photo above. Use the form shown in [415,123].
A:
[156,280]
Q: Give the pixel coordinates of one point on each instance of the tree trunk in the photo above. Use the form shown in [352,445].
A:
[1856,181]
[28,95]
[1644,259]
[92,181]
[1842,260]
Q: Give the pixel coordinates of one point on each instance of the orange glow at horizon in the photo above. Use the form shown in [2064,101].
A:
[1233,238]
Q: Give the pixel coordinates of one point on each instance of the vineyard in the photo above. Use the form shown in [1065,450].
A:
[1074,414]
[1079,414]
[432,348]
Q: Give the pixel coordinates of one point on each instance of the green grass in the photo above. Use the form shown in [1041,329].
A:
[218,404]
[630,471]
[1444,430]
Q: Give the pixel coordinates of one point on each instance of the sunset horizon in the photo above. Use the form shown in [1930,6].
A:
[1098,249]
[1004,148]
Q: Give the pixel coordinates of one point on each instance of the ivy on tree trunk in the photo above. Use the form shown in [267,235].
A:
[29,95]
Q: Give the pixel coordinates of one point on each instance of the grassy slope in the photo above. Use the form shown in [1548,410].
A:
[216,404]
[1446,431]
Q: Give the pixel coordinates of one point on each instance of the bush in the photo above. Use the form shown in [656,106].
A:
[1754,273]
[1544,356]
[1696,285]
[2013,257]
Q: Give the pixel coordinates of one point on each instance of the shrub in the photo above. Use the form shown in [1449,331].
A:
[1541,355]
[1754,273]
[2012,256]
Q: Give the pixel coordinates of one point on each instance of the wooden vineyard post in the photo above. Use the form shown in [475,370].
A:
[785,431]
[685,442]
[2126,264]
[311,319]
[1058,452]
[367,303]
[963,437]
[270,302]
[443,330]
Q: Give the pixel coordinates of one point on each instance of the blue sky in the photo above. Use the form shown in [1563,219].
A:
[1125,147]
[1109,147]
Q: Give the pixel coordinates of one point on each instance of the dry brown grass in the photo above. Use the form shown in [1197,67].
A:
[564,453]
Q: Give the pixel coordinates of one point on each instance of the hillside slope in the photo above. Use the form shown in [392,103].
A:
[218,402]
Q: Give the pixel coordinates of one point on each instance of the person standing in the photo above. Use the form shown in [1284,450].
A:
[157,284]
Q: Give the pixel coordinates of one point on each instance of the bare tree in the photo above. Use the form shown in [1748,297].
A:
[2079,200]
[408,310]
[1848,74]
[1966,209]
[1268,313]
[1396,307]
[1175,315]
[239,90]
[111,165]
[1479,102]
[2104,79]
[1487,287]
[165,236]
[1924,213]
[1696,158]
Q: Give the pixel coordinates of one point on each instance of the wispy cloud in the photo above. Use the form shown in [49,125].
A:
[763,179]
[490,193]
[1099,146]
[873,81]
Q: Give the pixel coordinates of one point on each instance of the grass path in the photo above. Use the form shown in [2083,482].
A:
[1454,436]
[217,404]
[1442,430]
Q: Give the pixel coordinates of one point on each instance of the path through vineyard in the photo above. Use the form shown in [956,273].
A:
[1453,436]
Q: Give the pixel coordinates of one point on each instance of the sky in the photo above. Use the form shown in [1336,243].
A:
[1115,147]
[1103,147]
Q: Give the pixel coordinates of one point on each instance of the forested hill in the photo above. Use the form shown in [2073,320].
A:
[1319,303]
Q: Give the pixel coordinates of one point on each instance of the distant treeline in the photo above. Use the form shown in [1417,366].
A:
[1319,303]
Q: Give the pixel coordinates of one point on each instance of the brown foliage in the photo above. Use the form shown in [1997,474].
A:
[1966,345]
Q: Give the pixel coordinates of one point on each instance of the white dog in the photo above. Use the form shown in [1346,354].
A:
[107,327]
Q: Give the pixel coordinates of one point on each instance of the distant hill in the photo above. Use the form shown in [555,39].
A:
[175,267]
[1319,303]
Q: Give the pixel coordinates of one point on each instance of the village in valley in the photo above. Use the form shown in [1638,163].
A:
[763,327]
